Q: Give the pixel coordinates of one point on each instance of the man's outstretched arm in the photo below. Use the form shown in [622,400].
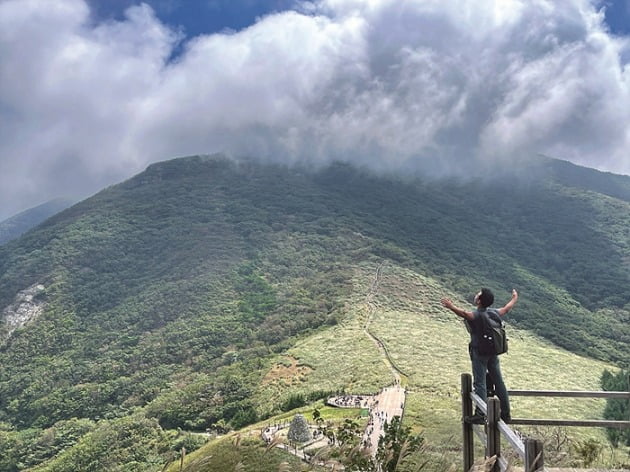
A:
[447,303]
[509,305]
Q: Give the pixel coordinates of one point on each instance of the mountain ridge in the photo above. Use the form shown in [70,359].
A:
[15,226]
[198,271]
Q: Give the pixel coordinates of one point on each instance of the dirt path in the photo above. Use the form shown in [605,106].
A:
[371,309]
[390,401]
[383,406]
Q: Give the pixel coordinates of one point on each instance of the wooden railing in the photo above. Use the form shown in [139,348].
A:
[530,450]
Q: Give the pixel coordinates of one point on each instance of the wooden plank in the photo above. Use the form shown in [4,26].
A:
[534,457]
[467,430]
[588,423]
[493,446]
[569,394]
[480,432]
[515,441]
[479,403]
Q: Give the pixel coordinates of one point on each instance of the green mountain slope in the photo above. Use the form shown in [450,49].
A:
[171,294]
[19,224]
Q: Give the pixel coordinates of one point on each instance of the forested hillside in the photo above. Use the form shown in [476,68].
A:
[19,224]
[160,303]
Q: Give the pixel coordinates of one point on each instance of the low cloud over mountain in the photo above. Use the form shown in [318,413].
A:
[387,83]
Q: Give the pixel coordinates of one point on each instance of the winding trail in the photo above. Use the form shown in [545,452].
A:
[371,309]
[383,406]
[390,401]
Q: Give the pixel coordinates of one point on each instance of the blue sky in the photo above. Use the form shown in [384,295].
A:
[210,16]
[197,16]
[93,91]
[618,16]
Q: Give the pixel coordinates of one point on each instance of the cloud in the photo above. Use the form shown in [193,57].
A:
[386,83]
[68,97]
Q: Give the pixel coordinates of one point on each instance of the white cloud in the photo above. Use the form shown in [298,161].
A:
[68,96]
[383,82]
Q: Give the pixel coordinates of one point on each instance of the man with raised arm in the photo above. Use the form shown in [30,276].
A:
[482,363]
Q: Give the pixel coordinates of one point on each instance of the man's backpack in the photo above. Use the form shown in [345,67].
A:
[493,340]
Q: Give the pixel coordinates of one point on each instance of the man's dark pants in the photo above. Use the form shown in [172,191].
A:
[490,364]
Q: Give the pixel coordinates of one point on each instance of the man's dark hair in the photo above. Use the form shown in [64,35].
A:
[486,298]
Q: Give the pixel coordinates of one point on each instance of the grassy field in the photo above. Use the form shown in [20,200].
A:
[238,453]
[429,345]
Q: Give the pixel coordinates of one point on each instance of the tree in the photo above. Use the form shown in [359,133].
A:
[396,444]
[298,430]
[617,409]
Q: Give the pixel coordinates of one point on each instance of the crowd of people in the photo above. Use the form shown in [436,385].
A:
[380,412]
[350,401]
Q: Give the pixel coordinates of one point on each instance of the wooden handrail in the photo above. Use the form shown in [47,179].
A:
[586,423]
[514,440]
[530,450]
[569,394]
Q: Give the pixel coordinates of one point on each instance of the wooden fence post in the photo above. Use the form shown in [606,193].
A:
[533,455]
[493,447]
[467,431]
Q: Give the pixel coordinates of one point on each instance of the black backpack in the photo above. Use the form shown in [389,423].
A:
[493,340]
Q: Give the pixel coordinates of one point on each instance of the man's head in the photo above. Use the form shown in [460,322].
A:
[484,298]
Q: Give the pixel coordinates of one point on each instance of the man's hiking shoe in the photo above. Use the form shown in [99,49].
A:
[475,419]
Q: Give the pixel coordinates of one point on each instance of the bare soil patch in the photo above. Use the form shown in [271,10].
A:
[288,371]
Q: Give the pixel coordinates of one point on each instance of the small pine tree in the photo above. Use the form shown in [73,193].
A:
[617,409]
[299,431]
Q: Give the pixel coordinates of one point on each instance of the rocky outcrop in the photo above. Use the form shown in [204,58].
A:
[26,307]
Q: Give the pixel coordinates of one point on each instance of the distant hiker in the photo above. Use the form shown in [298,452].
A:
[484,363]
